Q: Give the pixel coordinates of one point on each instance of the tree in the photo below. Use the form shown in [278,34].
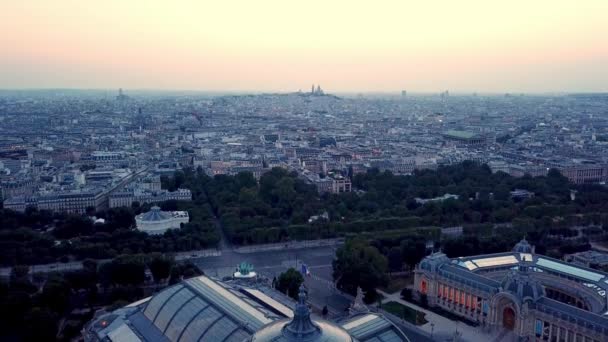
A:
[90,210]
[160,266]
[136,207]
[19,279]
[124,270]
[15,304]
[121,218]
[90,265]
[75,225]
[289,282]
[19,272]
[462,246]
[406,294]
[413,249]
[56,294]
[183,270]
[358,264]
[424,301]
[395,260]
[41,325]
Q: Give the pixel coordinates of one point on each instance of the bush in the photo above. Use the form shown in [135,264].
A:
[406,294]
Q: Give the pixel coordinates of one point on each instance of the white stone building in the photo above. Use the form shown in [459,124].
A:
[156,221]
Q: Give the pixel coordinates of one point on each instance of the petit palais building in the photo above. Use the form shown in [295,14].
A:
[531,296]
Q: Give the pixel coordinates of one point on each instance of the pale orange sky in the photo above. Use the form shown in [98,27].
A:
[257,45]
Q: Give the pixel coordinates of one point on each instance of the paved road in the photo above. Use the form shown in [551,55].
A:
[226,258]
[321,289]
[272,262]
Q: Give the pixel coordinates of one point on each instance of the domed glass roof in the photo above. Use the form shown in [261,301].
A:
[301,328]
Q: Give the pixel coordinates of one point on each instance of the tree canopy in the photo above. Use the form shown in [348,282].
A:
[289,282]
[358,264]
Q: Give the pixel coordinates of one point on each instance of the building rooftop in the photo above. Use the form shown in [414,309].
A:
[460,134]
[205,309]
[155,214]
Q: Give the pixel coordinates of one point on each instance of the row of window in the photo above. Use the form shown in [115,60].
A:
[546,331]
[457,296]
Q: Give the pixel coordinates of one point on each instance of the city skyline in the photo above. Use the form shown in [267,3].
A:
[396,170]
[473,47]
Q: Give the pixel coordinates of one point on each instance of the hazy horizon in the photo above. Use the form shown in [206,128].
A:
[274,46]
[396,93]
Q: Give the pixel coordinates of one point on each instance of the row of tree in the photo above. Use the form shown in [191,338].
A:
[34,304]
[39,236]
[279,206]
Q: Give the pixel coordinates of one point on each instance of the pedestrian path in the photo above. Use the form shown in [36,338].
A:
[291,245]
[442,328]
[500,336]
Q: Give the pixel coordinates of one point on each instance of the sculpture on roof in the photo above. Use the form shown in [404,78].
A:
[358,306]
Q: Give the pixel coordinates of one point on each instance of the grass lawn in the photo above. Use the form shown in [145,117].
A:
[413,316]
[396,284]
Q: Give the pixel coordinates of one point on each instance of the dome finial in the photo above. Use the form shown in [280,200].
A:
[302,295]
[523,246]
[301,326]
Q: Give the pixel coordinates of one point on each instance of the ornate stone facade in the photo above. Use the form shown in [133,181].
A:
[535,297]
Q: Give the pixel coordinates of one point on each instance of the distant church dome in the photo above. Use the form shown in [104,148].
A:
[301,328]
[523,247]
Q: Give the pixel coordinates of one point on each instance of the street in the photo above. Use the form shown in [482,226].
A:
[271,263]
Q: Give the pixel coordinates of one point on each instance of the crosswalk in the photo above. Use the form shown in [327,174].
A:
[326,283]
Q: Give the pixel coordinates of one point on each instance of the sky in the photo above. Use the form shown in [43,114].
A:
[346,46]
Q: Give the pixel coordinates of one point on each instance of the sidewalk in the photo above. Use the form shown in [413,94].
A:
[443,328]
[202,253]
[290,245]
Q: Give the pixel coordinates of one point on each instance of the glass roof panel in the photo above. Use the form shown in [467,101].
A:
[469,265]
[368,329]
[200,323]
[123,333]
[526,257]
[359,321]
[141,301]
[183,317]
[365,327]
[238,336]
[158,300]
[496,261]
[389,336]
[285,311]
[571,270]
[170,309]
[219,331]
[228,301]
